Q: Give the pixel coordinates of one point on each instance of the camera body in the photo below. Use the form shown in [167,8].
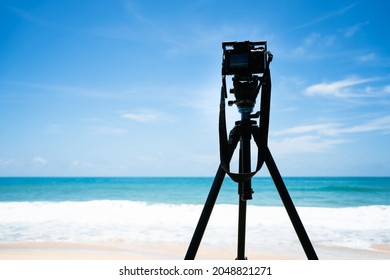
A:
[244,58]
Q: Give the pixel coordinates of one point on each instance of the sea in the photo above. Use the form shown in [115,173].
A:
[350,213]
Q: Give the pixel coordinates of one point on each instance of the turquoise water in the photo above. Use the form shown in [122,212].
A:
[305,191]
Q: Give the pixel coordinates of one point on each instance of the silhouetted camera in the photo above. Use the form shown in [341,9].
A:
[244,58]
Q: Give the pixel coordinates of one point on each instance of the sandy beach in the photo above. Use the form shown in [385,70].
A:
[166,251]
[107,251]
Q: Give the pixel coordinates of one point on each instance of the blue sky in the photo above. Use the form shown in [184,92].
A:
[131,88]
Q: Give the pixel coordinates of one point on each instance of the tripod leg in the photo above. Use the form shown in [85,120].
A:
[289,205]
[206,213]
[212,197]
[241,230]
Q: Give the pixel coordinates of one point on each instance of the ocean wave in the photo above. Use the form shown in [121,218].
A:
[100,220]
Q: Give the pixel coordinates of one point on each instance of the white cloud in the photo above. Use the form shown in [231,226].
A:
[40,160]
[367,57]
[147,116]
[325,17]
[141,117]
[304,144]
[340,89]
[326,129]
[349,32]
[82,164]
[31,18]
[322,137]
[11,163]
[379,124]
[312,43]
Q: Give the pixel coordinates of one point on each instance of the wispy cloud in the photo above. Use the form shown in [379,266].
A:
[304,144]
[325,129]
[314,41]
[87,92]
[11,163]
[323,137]
[189,36]
[381,124]
[351,31]
[82,164]
[27,16]
[40,160]
[341,88]
[325,17]
[147,116]
[366,57]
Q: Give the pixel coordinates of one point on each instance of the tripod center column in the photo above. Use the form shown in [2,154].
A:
[245,188]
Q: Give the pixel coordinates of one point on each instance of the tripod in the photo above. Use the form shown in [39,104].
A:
[242,133]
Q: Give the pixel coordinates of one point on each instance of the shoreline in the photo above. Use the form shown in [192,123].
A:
[168,251]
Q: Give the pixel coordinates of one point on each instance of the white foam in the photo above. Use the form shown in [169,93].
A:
[105,220]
